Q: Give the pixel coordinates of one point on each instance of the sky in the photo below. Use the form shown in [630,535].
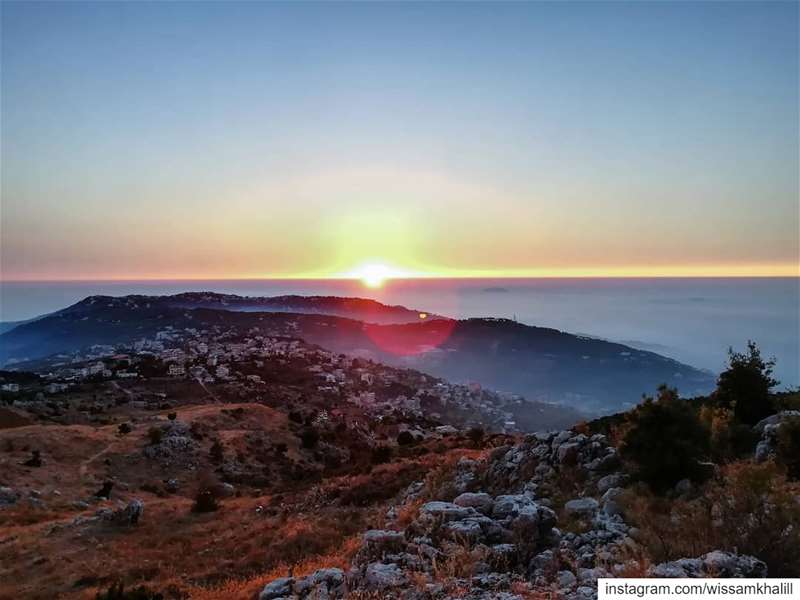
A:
[213,140]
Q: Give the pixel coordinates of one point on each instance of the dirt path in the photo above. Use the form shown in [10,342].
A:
[85,464]
[208,391]
[118,387]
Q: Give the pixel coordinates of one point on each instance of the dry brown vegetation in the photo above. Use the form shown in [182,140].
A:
[747,508]
[249,586]
[229,553]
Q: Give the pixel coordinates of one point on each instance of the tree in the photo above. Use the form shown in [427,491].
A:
[205,501]
[666,441]
[475,435]
[208,492]
[309,438]
[744,387]
[405,438]
[155,435]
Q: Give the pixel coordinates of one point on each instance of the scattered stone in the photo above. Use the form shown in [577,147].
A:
[566,579]
[713,564]
[481,502]
[133,512]
[379,542]
[568,453]
[277,589]
[611,504]
[446,430]
[581,507]
[446,511]
[768,428]
[8,496]
[383,576]
[127,515]
[775,419]
[321,584]
[226,490]
[609,481]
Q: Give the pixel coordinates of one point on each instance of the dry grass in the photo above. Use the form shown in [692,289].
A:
[526,591]
[460,562]
[228,553]
[250,586]
[439,479]
[749,508]
[409,512]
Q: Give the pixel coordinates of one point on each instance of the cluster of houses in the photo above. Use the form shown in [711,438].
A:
[225,356]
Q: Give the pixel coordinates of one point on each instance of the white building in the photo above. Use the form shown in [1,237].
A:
[176,370]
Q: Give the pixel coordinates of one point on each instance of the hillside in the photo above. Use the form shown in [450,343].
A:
[361,309]
[215,501]
[591,375]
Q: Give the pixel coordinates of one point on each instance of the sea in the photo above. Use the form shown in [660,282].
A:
[693,320]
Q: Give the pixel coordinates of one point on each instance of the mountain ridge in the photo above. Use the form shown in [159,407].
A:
[537,362]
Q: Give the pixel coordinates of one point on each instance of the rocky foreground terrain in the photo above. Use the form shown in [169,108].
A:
[232,501]
[493,531]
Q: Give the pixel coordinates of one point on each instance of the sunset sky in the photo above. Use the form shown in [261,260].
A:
[204,140]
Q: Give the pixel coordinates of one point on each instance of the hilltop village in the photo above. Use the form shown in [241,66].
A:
[224,365]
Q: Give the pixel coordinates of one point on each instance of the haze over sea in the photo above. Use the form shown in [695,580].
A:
[693,320]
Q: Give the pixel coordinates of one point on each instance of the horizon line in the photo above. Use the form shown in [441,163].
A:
[409,278]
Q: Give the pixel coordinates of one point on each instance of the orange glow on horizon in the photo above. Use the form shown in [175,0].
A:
[376,275]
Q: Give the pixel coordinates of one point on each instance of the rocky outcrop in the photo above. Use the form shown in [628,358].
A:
[496,535]
[127,515]
[176,446]
[713,564]
[320,585]
[769,428]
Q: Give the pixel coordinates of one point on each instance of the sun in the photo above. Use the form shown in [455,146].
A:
[374,275]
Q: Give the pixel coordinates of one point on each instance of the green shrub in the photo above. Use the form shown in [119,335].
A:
[475,435]
[155,435]
[744,387]
[405,438]
[730,439]
[788,447]
[381,455]
[309,438]
[205,501]
[666,441]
